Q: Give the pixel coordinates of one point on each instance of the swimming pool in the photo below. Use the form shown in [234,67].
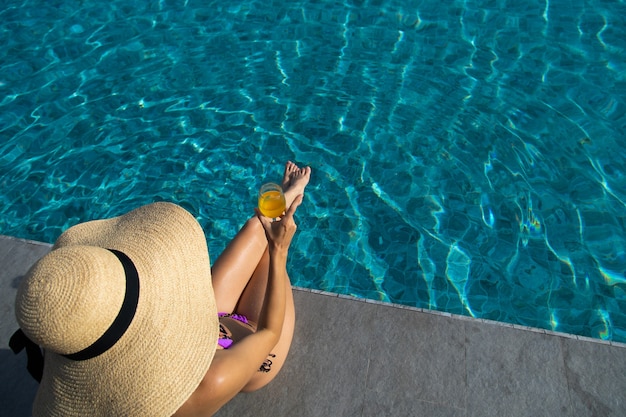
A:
[467,157]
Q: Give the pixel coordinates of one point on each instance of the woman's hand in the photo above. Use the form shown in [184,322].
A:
[280,232]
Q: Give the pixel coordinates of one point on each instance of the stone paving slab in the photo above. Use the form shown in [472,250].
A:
[17,388]
[358,358]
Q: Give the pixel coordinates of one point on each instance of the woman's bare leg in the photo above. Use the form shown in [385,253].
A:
[234,268]
[250,304]
[278,356]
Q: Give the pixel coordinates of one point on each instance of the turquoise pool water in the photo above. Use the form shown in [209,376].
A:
[468,156]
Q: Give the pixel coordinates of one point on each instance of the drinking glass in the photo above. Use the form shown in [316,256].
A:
[271,200]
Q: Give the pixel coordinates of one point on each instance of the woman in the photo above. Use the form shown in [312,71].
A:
[254,298]
[126,312]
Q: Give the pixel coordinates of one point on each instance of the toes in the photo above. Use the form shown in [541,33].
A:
[292,171]
[304,171]
[290,167]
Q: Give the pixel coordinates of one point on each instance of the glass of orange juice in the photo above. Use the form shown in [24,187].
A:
[271,200]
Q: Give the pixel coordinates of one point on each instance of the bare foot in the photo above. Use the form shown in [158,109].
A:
[294,181]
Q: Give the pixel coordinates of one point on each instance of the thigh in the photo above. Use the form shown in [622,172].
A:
[233,269]
[252,297]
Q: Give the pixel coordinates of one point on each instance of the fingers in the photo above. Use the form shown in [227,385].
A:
[265,221]
[280,232]
[294,205]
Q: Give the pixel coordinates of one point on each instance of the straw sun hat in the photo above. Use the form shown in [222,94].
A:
[125,312]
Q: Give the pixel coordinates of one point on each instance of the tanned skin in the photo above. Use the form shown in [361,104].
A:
[250,278]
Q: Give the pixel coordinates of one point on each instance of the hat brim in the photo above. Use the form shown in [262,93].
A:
[167,349]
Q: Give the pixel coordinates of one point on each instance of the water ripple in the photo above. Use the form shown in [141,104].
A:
[467,157]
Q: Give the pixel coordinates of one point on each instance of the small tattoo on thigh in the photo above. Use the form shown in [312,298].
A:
[267,364]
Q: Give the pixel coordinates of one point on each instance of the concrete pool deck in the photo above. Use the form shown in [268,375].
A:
[357,358]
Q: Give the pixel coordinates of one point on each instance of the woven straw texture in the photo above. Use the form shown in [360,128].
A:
[71,296]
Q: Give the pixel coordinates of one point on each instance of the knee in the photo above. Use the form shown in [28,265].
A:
[254,222]
[265,375]
[259,381]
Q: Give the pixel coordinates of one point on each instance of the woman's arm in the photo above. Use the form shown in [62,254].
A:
[232,369]
[272,314]
[279,235]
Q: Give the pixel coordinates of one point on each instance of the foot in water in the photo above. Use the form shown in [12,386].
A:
[295,181]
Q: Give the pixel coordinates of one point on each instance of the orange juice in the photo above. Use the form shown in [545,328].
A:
[272,203]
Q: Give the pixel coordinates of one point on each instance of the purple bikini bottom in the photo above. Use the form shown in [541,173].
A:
[224,340]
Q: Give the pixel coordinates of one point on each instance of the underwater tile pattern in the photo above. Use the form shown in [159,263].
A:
[468,156]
